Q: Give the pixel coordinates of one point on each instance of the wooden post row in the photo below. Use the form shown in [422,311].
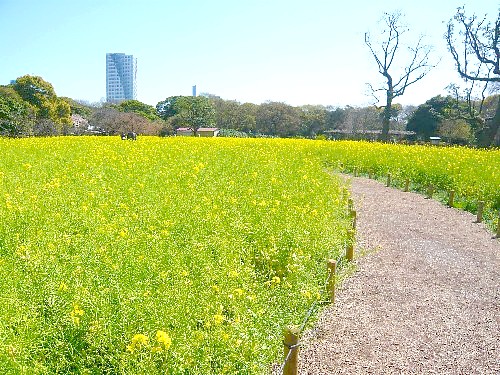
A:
[290,343]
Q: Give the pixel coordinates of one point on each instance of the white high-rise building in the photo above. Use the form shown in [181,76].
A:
[121,73]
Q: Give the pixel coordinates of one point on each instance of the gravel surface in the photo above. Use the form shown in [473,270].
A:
[425,300]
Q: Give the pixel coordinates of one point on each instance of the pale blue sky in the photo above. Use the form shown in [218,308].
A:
[298,52]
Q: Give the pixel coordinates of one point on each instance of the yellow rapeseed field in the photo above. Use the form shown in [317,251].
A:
[183,255]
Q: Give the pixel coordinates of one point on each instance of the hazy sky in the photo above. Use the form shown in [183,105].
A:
[298,52]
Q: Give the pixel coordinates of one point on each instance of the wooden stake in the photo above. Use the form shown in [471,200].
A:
[407,184]
[355,171]
[290,343]
[370,174]
[350,205]
[498,225]
[430,191]
[451,198]
[353,218]
[480,209]
[349,254]
[388,179]
[332,270]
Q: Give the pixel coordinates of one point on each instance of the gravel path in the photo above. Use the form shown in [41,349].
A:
[425,300]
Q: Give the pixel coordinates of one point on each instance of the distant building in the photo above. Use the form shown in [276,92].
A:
[201,132]
[207,132]
[121,74]
[186,132]
[435,140]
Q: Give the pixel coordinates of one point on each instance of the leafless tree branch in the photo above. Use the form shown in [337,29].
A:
[416,68]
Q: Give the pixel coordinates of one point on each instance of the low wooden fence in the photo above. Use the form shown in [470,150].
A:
[291,335]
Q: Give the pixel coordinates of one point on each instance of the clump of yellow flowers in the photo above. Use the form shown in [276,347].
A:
[140,341]
[75,314]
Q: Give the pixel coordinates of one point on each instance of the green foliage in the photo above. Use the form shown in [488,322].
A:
[232,133]
[187,111]
[78,109]
[16,116]
[41,95]
[277,119]
[456,131]
[142,109]
[35,91]
[165,109]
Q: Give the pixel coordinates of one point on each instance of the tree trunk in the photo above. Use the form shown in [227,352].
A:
[386,115]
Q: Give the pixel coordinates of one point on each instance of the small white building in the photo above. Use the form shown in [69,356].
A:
[207,132]
[435,140]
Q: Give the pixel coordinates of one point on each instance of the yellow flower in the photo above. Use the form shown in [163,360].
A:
[218,318]
[156,349]
[184,273]
[305,293]
[138,341]
[233,274]
[164,339]
[275,280]
[76,313]
[63,287]
[238,292]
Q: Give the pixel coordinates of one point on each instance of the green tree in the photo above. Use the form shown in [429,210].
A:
[77,108]
[187,111]
[397,78]
[145,110]
[455,131]
[427,118]
[16,116]
[165,109]
[278,119]
[41,95]
[313,120]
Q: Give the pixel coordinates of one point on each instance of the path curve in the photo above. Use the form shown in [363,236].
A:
[424,301]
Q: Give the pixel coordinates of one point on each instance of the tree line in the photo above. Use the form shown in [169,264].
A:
[30,107]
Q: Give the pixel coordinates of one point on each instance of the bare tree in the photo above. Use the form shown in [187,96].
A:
[415,68]
[477,59]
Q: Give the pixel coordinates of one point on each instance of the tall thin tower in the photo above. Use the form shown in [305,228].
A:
[121,77]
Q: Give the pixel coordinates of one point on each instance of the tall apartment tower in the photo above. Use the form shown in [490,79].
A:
[121,73]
